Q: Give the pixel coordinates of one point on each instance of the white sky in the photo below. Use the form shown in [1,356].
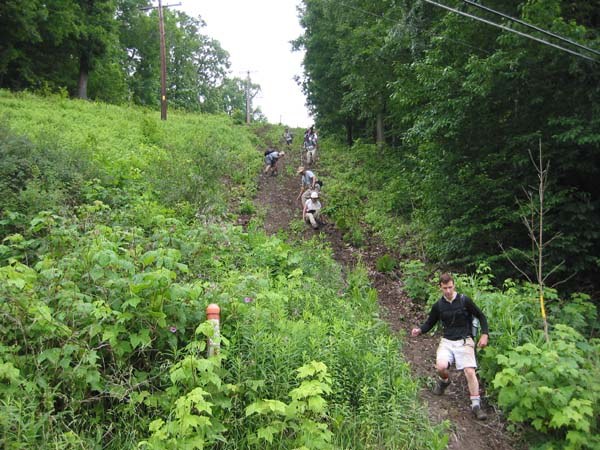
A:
[257,35]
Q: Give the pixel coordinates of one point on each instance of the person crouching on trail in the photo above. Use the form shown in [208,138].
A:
[455,312]
[312,210]
[271,159]
[309,184]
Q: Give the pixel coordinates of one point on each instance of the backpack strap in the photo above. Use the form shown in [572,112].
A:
[468,315]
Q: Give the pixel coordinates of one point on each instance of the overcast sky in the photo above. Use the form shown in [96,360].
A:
[257,35]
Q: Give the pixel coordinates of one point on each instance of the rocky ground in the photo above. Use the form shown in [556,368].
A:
[277,198]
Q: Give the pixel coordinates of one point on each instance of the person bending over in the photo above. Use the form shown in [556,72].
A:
[309,183]
[271,159]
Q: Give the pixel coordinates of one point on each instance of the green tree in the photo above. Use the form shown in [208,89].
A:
[369,52]
[198,65]
[467,101]
[19,21]
[55,43]
[323,66]
[96,26]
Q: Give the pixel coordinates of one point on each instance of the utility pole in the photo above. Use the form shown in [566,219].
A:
[163,64]
[248,97]
[163,58]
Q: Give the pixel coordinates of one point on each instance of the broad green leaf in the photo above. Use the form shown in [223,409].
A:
[266,433]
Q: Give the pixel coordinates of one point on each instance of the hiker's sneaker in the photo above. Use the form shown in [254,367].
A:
[479,413]
[440,387]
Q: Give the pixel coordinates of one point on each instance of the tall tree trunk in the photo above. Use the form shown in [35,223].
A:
[349,131]
[84,72]
[380,139]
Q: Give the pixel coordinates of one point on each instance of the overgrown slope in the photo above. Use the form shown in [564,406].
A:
[116,234]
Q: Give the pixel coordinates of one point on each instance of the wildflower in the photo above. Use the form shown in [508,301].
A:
[248,299]
[173,329]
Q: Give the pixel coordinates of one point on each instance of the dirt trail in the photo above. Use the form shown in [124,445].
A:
[277,197]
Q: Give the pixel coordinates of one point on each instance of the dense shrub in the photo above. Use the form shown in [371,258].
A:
[105,297]
[549,386]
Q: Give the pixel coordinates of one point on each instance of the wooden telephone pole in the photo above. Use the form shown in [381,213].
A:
[163,58]
[163,64]
[248,98]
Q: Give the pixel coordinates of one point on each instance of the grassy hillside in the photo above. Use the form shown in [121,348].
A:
[116,234]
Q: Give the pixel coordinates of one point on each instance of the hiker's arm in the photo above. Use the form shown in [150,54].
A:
[483,341]
[434,316]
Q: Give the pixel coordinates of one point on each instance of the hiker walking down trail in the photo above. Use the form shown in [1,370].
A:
[271,158]
[455,312]
[309,184]
[312,210]
[288,137]
[310,145]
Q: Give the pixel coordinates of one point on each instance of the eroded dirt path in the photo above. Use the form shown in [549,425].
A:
[277,198]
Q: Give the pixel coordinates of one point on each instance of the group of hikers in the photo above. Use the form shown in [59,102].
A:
[309,145]
[455,312]
[310,186]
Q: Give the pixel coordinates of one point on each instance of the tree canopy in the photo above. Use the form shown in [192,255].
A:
[109,50]
[464,103]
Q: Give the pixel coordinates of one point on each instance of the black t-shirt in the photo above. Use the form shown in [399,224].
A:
[454,317]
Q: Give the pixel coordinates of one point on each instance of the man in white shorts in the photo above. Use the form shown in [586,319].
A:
[455,312]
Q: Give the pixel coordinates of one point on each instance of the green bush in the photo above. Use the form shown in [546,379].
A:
[105,297]
[416,280]
[554,387]
[385,263]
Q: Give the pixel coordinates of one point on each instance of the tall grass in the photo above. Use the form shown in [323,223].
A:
[106,274]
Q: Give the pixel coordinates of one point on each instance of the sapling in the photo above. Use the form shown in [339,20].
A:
[535,228]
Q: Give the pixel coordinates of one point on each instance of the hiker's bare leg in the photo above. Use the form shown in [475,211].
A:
[442,368]
[472,381]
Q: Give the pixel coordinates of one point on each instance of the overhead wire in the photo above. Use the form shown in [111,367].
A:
[503,27]
[528,25]
[378,16]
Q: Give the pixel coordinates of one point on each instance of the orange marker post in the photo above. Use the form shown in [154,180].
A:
[213,315]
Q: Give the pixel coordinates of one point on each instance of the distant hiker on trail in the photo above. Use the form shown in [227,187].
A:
[310,135]
[312,210]
[288,137]
[310,145]
[271,158]
[455,312]
[309,184]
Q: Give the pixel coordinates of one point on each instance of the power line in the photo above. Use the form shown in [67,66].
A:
[471,16]
[521,22]
[378,16]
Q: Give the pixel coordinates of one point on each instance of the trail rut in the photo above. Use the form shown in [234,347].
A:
[277,198]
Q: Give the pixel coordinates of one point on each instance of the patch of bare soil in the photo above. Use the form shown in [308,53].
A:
[277,198]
